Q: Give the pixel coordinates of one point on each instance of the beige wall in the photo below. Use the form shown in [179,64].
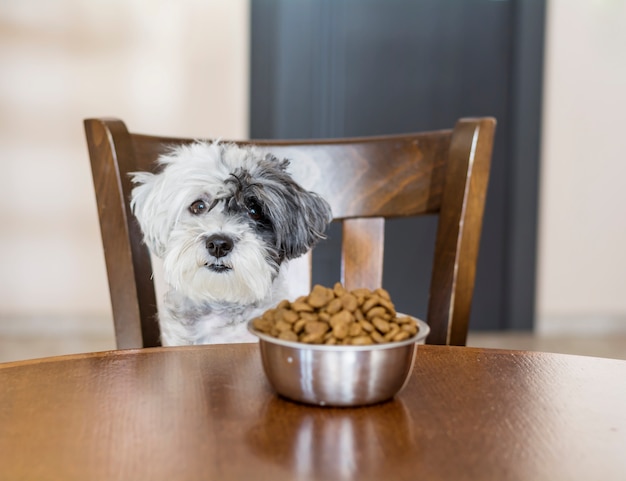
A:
[181,68]
[582,241]
[164,66]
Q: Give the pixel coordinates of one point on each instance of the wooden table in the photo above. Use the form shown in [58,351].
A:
[208,413]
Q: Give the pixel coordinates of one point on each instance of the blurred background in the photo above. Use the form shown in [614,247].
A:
[552,270]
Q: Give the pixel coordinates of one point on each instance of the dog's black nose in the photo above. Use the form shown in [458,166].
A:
[219,245]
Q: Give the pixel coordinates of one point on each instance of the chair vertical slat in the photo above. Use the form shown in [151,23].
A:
[363,245]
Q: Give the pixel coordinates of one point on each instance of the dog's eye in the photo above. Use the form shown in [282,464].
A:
[198,207]
[254,211]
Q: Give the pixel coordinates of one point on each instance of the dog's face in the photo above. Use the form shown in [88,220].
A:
[223,218]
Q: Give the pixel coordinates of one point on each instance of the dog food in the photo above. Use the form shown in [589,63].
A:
[338,317]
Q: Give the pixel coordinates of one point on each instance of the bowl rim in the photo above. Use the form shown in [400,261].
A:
[424,330]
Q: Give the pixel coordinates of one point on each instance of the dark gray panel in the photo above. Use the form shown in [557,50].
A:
[324,68]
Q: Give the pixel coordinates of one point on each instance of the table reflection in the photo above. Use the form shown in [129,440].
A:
[333,442]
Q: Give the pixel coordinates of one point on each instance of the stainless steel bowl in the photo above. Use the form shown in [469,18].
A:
[338,375]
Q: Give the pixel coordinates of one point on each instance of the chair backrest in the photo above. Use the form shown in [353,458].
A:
[365,180]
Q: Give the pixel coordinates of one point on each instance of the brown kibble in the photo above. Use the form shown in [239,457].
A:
[298,327]
[282,326]
[367,326]
[339,290]
[334,306]
[341,317]
[381,325]
[299,306]
[361,341]
[355,329]
[362,292]
[387,304]
[410,328]
[262,324]
[401,336]
[315,327]
[290,316]
[320,296]
[349,302]
[378,311]
[288,336]
[312,338]
[309,316]
[279,313]
[377,336]
[340,330]
[324,316]
[382,293]
[370,303]
[393,330]
[284,304]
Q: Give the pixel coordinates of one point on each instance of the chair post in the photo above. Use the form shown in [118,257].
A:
[128,261]
[458,235]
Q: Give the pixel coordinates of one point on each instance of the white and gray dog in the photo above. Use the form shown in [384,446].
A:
[224,219]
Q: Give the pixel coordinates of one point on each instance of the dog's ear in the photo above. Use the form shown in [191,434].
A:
[306,223]
[151,210]
[299,217]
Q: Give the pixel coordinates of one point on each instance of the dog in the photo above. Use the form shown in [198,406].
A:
[225,220]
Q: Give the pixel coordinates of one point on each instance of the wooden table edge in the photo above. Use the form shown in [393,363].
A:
[152,350]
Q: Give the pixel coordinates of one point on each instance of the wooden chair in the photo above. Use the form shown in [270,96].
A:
[366,180]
